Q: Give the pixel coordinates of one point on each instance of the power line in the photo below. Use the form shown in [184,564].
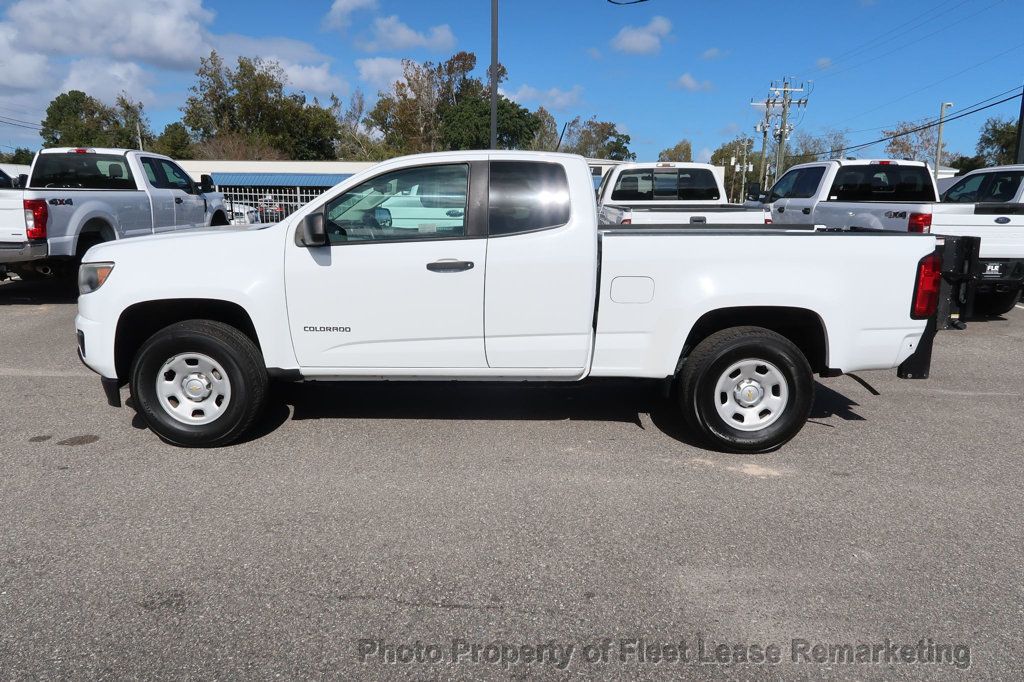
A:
[938,82]
[904,133]
[16,124]
[907,43]
[925,118]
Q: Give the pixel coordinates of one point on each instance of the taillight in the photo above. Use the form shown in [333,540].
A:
[920,222]
[926,288]
[767,220]
[626,221]
[36,215]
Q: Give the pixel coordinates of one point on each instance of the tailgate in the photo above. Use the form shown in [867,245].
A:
[12,216]
[886,217]
[1002,236]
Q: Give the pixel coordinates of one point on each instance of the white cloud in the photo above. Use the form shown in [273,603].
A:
[105,80]
[339,16]
[165,34]
[552,98]
[824,63]
[704,155]
[380,72]
[688,82]
[306,68]
[390,33]
[713,53]
[21,70]
[643,39]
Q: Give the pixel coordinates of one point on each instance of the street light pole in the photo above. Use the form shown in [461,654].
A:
[494,74]
[938,144]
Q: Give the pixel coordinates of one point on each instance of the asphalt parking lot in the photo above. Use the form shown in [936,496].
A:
[428,513]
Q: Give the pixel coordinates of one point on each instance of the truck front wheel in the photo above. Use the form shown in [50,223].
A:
[199,383]
[746,389]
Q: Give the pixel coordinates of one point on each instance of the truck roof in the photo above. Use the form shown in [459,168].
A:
[663,164]
[95,150]
[1006,167]
[865,162]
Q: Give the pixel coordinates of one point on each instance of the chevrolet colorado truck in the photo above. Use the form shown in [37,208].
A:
[482,265]
[901,196]
[76,198]
[670,193]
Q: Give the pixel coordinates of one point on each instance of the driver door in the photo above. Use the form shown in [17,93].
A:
[401,283]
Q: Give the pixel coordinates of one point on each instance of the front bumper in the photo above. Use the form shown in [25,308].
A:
[20,252]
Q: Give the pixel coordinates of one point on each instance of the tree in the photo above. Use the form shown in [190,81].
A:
[237,147]
[805,147]
[467,124]
[997,144]
[682,151]
[356,141]
[908,142]
[174,142]
[251,102]
[724,155]
[21,156]
[966,164]
[74,119]
[597,140]
[546,137]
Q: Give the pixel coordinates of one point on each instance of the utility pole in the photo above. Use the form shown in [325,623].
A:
[138,133]
[764,127]
[1020,133]
[938,144]
[785,91]
[494,74]
[743,175]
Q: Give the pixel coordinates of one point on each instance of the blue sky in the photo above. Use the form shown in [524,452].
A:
[661,69]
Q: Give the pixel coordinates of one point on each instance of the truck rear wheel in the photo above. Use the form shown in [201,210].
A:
[992,304]
[746,389]
[199,383]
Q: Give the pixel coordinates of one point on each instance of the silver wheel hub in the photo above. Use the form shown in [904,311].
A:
[751,394]
[193,388]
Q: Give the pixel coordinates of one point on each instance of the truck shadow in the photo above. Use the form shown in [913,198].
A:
[19,292]
[612,400]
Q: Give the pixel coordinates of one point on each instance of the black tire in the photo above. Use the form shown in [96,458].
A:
[241,361]
[706,365]
[219,220]
[993,304]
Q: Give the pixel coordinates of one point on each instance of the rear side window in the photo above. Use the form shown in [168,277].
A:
[82,171]
[882,182]
[526,196]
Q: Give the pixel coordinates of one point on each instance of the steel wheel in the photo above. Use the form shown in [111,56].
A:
[193,388]
[751,394]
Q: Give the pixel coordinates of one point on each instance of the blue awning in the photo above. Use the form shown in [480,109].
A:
[278,179]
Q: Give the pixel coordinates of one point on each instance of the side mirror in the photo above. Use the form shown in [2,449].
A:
[206,184]
[754,192]
[382,216]
[23,181]
[313,230]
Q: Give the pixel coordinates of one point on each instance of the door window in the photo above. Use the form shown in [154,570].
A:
[175,177]
[525,196]
[428,202]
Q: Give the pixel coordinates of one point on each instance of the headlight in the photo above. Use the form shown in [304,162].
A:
[91,276]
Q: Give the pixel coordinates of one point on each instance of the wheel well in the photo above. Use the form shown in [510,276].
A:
[140,321]
[801,326]
[95,231]
[219,218]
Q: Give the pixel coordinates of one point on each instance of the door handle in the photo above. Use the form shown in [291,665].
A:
[806,211]
[781,209]
[178,200]
[450,265]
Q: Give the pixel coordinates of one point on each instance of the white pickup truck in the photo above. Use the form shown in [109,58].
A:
[670,193]
[901,196]
[491,266]
[76,198]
